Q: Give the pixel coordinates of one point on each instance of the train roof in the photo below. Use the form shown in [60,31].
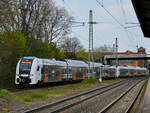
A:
[49,61]
[29,57]
[125,67]
[131,67]
[96,64]
[61,63]
[76,63]
[111,66]
[141,68]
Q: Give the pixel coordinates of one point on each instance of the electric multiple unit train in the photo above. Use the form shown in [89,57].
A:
[33,70]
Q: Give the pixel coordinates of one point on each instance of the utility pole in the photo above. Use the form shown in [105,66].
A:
[137,47]
[91,58]
[113,62]
[113,48]
[116,51]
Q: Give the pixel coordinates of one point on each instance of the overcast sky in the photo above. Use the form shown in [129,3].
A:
[107,29]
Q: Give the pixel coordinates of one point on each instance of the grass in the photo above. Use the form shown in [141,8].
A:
[89,81]
[110,81]
[6,96]
[144,90]
[49,94]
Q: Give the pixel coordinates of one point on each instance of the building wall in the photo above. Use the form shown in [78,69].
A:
[140,63]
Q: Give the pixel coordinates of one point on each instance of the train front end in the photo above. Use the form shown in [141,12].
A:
[26,71]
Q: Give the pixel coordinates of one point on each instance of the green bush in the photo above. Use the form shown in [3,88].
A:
[38,95]
[90,81]
[44,49]
[3,92]
[12,48]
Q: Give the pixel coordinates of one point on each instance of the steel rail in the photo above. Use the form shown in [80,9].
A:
[81,100]
[112,85]
[136,97]
[105,109]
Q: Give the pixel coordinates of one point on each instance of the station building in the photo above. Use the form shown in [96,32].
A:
[140,63]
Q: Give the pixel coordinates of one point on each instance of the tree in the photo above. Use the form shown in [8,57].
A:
[104,48]
[99,52]
[82,55]
[44,49]
[12,48]
[71,46]
[40,18]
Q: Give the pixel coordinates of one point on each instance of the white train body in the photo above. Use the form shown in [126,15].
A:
[124,71]
[28,70]
[33,70]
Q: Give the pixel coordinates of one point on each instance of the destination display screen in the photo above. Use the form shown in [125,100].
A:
[25,66]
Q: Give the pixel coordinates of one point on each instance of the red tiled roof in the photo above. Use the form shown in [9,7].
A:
[127,52]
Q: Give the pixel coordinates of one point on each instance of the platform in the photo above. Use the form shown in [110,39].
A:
[145,104]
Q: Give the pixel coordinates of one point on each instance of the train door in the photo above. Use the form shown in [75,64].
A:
[79,73]
[52,74]
[132,72]
[45,74]
[84,72]
[74,73]
[38,73]
[59,73]
[69,73]
[64,73]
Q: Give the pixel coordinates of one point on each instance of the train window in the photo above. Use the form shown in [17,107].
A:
[42,71]
[80,70]
[53,71]
[64,71]
[25,66]
[69,70]
[38,68]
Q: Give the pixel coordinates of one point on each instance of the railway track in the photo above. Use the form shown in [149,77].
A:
[71,101]
[125,102]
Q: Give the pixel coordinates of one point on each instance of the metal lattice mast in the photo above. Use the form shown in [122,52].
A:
[91,58]
[117,52]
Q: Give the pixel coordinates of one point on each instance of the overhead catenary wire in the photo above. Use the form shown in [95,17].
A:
[132,26]
[116,20]
[100,2]
[80,36]
[136,24]
[110,13]
[119,9]
[132,23]
[123,11]
[69,8]
[128,36]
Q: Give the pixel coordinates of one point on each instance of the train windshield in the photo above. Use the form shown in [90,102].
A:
[25,66]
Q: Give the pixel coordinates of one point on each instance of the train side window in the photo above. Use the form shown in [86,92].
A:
[42,70]
[38,68]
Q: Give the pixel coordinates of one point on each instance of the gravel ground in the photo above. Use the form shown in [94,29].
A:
[3,105]
[122,105]
[19,108]
[97,103]
[91,106]
[70,101]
